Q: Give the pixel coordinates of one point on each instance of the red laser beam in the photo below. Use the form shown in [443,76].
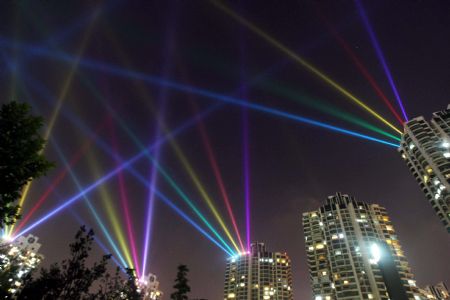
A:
[73,160]
[213,162]
[124,201]
[363,70]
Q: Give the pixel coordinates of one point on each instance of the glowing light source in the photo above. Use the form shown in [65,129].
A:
[375,252]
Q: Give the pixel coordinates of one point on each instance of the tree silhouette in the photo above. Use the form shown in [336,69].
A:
[181,284]
[21,159]
[72,279]
[115,287]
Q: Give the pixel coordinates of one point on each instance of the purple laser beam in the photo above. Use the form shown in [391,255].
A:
[380,55]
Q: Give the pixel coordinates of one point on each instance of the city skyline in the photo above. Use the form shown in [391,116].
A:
[183,132]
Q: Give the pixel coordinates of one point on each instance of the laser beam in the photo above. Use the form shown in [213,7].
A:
[162,100]
[185,162]
[360,66]
[302,62]
[124,202]
[159,168]
[380,55]
[217,174]
[89,204]
[107,201]
[154,80]
[75,158]
[63,93]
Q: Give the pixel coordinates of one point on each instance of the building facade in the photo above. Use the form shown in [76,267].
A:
[354,253]
[438,291]
[425,146]
[259,275]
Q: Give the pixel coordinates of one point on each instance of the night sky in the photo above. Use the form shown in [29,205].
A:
[108,108]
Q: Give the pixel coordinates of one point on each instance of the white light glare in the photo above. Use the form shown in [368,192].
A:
[376,254]
[7,238]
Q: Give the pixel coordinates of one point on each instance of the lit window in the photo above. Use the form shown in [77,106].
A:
[320,246]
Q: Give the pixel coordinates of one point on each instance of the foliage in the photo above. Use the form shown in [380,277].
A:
[16,266]
[114,287]
[181,284]
[72,279]
[21,159]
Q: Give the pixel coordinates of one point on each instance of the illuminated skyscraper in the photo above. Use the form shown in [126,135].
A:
[353,253]
[259,275]
[425,146]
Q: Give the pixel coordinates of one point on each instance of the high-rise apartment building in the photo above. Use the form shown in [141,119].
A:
[354,253]
[439,291]
[259,275]
[425,146]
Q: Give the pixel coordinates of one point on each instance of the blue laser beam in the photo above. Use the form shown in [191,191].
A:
[154,80]
[100,243]
[89,204]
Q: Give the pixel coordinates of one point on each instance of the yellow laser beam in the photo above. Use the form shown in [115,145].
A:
[179,153]
[301,61]
[190,170]
[107,202]
[62,96]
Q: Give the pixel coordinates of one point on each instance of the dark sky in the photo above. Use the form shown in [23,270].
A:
[293,166]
